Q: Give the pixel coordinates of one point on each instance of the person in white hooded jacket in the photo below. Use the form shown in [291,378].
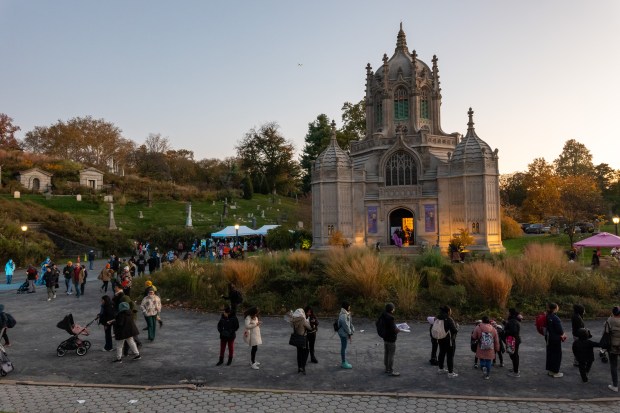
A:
[301,326]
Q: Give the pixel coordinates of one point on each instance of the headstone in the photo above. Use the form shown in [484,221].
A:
[111,221]
[78,198]
[253,222]
[140,215]
[16,195]
[213,203]
[108,198]
[221,221]
[225,214]
[262,213]
[258,207]
[249,215]
[149,198]
[188,221]
[279,201]
[300,224]
[233,207]
[48,195]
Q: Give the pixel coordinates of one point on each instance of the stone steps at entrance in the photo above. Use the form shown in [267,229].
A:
[394,250]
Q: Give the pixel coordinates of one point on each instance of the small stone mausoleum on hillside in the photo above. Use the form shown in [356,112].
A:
[407,176]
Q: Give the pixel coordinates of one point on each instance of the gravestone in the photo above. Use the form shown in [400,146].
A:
[140,215]
[16,195]
[300,224]
[78,198]
[262,213]
[253,222]
[111,221]
[188,221]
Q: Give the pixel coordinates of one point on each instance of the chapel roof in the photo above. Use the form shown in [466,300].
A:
[471,147]
[401,60]
[333,157]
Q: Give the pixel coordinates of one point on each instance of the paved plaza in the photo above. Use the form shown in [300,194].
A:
[178,372]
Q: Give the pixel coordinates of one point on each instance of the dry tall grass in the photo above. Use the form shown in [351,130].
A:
[328,301]
[359,271]
[245,274]
[406,287]
[299,261]
[484,282]
[534,273]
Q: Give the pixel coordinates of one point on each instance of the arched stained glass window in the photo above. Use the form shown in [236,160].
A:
[424,108]
[401,104]
[400,169]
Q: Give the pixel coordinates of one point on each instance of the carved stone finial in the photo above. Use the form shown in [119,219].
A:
[385,58]
[435,60]
[470,124]
[368,69]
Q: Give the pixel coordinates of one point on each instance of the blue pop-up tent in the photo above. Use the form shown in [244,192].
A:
[230,231]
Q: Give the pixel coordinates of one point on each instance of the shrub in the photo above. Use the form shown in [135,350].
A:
[485,283]
[337,239]
[430,258]
[245,274]
[279,238]
[510,228]
[299,261]
[535,272]
[359,271]
[328,300]
[406,287]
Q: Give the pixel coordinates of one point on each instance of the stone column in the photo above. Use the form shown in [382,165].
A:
[111,222]
[188,221]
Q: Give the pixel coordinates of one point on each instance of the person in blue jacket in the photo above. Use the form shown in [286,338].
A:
[9,269]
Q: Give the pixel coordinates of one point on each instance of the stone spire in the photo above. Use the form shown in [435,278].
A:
[470,124]
[401,40]
[436,87]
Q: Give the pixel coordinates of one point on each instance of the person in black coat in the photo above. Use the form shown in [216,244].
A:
[512,331]
[447,345]
[554,337]
[235,297]
[390,332]
[311,334]
[583,350]
[227,326]
[124,331]
[106,313]
[50,279]
[577,324]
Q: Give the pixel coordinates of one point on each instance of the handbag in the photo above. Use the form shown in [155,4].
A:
[297,340]
[606,339]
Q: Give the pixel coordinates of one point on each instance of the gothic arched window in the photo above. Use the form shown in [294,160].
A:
[400,169]
[424,107]
[401,104]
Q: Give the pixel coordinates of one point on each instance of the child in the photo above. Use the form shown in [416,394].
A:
[583,349]
[227,326]
[502,339]
[474,343]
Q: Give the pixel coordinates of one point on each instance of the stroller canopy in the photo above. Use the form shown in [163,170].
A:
[66,324]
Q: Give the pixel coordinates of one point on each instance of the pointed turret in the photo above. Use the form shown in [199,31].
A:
[471,147]
[436,87]
[401,40]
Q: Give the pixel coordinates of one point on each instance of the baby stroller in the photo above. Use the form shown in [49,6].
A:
[5,364]
[23,288]
[74,342]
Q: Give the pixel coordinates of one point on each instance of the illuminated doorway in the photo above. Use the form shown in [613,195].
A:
[401,222]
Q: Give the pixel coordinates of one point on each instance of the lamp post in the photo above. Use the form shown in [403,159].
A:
[24,229]
[616,220]
[236,234]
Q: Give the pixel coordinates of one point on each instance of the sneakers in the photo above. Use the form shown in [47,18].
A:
[54,296]
[613,388]
[556,375]
[452,375]
[442,371]
[313,360]
[103,349]
[138,357]
[513,374]
[394,374]
[485,372]
[256,362]
[49,299]
[346,365]
[254,366]
[475,366]
[117,361]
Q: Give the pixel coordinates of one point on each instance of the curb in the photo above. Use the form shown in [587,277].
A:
[413,395]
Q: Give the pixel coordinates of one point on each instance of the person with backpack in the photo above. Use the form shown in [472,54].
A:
[488,344]
[235,297]
[345,332]
[613,327]
[444,330]
[554,337]
[6,320]
[512,330]
[387,330]
[227,327]
[312,333]
[577,324]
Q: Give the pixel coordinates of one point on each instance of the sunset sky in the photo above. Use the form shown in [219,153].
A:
[202,73]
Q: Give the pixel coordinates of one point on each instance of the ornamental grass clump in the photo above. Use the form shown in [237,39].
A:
[299,261]
[485,284]
[358,271]
[406,287]
[534,273]
[244,274]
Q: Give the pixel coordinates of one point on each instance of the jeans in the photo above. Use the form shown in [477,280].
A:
[68,284]
[9,278]
[31,286]
[613,364]
[302,357]
[388,356]
[76,287]
[311,341]
[151,321]
[91,265]
[486,363]
[343,348]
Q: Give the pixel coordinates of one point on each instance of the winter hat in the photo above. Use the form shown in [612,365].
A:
[148,283]
[389,307]
[123,307]
[616,311]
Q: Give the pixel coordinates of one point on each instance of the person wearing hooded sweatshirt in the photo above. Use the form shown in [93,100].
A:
[488,344]
[301,326]
[9,269]
[512,329]
[613,326]
[124,331]
[227,327]
[345,332]
[447,345]
[577,324]
[389,339]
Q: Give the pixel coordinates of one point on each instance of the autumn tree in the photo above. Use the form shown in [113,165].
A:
[86,140]
[512,189]
[7,133]
[266,152]
[574,160]
[580,200]
[543,195]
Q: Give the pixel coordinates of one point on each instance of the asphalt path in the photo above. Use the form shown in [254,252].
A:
[187,347]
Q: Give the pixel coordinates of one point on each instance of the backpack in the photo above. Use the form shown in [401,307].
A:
[486,341]
[541,323]
[511,344]
[9,321]
[438,331]
[380,327]
[336,325]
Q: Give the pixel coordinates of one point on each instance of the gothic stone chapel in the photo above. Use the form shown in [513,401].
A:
[407,176]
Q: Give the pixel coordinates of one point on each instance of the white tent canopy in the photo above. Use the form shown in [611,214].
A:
[263,230]
[230,231]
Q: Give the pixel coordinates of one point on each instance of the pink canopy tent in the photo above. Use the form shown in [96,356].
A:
[603,240]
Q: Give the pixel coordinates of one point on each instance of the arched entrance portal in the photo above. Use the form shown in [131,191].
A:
[401,221]
[36,184]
